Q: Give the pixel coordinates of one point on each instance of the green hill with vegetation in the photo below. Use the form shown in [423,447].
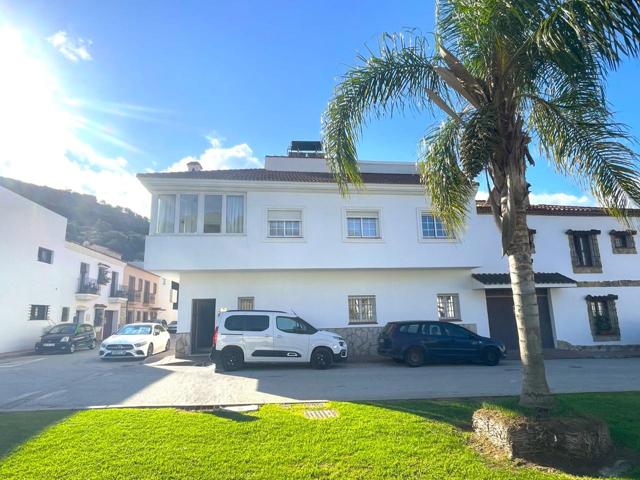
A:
[117,228]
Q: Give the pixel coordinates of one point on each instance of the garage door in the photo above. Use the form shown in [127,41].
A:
[502,320]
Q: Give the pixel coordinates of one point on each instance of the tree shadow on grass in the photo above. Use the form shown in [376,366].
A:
[18,427]
[229,415]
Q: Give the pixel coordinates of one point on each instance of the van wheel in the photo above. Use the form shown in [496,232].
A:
[414,357]
[232,359]
[491,357]
[322,358]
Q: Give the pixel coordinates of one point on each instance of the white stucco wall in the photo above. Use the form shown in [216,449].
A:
[321,296]
[323,244]
[25,226]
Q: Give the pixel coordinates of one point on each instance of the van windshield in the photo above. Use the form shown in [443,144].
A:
[69,328]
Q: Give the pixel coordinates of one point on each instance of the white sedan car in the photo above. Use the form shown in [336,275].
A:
[136,340]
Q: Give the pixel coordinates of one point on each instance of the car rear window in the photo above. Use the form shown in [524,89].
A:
[247,323]
[411,328]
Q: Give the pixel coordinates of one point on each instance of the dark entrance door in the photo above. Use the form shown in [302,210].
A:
[203,319]
[502,319]
[107,329]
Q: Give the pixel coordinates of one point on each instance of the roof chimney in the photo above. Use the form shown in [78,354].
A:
[194,166]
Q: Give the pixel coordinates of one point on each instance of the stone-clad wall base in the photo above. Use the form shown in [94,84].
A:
[183,344]
[362,341]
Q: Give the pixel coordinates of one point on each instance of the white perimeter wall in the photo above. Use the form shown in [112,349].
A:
[321,296]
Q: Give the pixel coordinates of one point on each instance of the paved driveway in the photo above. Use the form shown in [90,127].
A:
[82,380]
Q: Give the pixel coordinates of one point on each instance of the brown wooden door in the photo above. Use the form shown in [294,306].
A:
[107,328]
[502,319]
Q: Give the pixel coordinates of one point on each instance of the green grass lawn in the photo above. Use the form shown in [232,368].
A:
[413,439]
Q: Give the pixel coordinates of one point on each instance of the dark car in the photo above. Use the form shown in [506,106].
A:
[416,342]
[67,337]
[173,327]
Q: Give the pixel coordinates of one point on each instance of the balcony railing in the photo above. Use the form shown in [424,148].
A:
[134,295]
[149,298]
[118,291]
[88,285]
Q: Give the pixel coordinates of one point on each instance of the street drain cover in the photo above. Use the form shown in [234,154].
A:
[320,414]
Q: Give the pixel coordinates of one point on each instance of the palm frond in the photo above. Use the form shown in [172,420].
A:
[395,78]
[448,187]
[587,146]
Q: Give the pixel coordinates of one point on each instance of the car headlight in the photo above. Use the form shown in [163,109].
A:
[64,339]
[140,344]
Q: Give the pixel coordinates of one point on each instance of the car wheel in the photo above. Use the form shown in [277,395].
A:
[491,357]
[232,359]
[166,347]
[150,350]
[414,357]
[322,358]
[72,348]
[92,345]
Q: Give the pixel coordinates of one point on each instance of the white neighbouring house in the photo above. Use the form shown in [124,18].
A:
[282,237]
[47,280]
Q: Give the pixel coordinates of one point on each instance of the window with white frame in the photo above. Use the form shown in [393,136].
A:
[166,214]
[246,303]
[448,306]
[235,214]
[363,224]
[433,227]
[284,223]
[188,219]
[362,308]
[212,214]
[38,312]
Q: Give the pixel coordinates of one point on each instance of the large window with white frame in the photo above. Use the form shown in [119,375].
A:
[200,213]
[284,223]
[433,228]
[166,214]
[188,216]
[212,214]
[235,214]
[363,224]
[449,307]
[362,309]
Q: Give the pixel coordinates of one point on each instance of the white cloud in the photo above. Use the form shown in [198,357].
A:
[72,49]
[219,157]
[558,198]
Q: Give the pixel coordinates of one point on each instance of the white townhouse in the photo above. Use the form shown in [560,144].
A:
[282,237]
[46,279]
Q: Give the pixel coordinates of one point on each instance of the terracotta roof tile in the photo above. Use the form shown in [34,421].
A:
[483,207]
[262,175]
[504,279]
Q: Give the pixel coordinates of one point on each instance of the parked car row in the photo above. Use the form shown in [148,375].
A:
[258,336]
[273,336]
[134,340]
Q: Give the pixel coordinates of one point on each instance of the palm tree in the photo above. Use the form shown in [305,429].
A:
[506,73]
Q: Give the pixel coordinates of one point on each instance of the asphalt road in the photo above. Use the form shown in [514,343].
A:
[82,380]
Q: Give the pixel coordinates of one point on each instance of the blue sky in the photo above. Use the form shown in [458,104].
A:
[145,85]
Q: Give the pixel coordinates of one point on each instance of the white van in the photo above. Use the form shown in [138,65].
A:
[268,336]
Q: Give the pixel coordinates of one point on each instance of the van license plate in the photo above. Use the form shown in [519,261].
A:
[48,344]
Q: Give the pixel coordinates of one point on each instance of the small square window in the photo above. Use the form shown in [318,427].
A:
[45,255]
[449,307]
[603,317]
[365,224]
[246,303]
[39,312]
[362,309]
[622,241]
[433,227]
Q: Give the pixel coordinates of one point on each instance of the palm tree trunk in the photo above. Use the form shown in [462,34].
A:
[535,390]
